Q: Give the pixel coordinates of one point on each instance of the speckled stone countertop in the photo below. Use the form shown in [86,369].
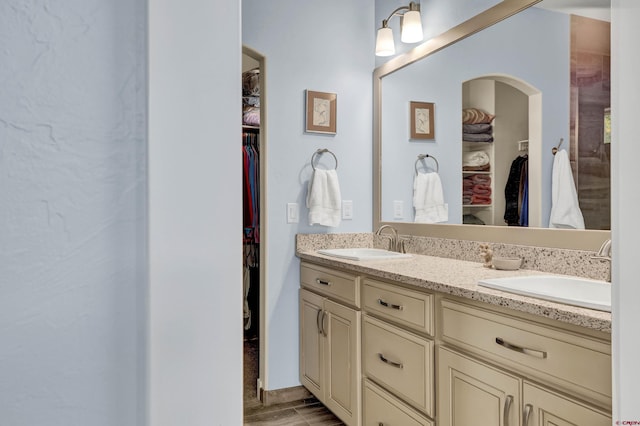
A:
[459,278]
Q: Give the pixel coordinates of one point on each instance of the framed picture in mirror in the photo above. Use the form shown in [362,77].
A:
[321,112]
[422,122]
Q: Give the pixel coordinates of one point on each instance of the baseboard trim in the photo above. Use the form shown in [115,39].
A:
[279,396]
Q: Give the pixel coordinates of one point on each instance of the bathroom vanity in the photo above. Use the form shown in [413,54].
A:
[417,342]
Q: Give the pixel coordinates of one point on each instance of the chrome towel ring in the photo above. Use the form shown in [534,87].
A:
[320,152]
[422,157]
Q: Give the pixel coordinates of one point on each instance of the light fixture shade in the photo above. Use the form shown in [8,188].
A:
[384,42]
[411,27]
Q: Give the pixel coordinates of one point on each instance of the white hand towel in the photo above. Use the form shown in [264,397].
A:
[565,210]
[428,199]
[323,198]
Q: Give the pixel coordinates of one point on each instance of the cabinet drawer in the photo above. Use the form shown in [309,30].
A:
[382,408]
[339,285]
[406,307]
[400,361]
[576,362]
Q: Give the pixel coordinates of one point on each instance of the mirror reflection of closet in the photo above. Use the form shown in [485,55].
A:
[495,151]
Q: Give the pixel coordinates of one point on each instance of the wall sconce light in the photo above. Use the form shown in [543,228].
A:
[410,23]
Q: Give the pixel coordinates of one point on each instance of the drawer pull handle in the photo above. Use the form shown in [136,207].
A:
[324,329]
[390,305]
[527,413]
[391,363]
[318,321]
[323,282]
[507,408]
[526,351]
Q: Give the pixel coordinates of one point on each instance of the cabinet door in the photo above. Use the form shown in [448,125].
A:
[342,361]
[473,393]
[311,342]
[543,407]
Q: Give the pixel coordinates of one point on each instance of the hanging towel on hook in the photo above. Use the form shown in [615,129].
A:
[428,199]
[565,210]
[323,198]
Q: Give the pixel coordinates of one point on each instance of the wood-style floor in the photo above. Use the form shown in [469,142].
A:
[306,412]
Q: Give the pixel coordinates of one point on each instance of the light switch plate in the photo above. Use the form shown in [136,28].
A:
[347,209]
[293,213]
[398,209]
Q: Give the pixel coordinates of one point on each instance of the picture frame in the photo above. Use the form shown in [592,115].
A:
[321,112]
[422,120]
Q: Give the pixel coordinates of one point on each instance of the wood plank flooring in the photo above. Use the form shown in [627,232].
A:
[307,412]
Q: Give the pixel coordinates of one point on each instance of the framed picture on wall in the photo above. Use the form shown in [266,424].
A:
[321,112]
[422,122]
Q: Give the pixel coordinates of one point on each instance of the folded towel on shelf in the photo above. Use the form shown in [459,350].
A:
[481,189]
[475,159]
[485,168]
[486,179]
[476,116]
[565,209]
[477,137]
[477,128]
[428,199]
[480,199]
[323,198]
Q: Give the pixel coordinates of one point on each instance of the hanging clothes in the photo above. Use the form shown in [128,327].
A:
[251,186]
[515,190]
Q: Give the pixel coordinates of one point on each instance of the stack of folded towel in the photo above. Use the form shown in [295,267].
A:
[476,125]
[324,199]
[476,190]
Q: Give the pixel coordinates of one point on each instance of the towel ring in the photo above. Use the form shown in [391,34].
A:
[320,152]
[422,157]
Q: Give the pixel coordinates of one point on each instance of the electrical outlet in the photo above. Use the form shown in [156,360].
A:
[293,213]
[347,209]
[398,209]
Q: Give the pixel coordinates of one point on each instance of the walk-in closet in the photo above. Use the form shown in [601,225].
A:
[252,192]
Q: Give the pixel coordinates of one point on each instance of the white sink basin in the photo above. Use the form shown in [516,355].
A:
[570,290]
[363,254]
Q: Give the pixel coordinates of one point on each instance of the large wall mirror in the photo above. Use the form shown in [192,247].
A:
[529,76]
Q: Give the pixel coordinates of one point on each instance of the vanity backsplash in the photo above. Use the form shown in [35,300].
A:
[545,259]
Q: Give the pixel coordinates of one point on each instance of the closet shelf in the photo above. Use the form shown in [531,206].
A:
[471,172]
[477,205]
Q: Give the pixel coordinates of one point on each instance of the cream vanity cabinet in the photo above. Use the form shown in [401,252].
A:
[496,369]
[419,358]
[397,355]
[330,339]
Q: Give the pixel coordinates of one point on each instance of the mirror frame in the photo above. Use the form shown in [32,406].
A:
[541,237]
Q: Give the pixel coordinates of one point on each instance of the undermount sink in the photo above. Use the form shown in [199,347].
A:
[575,291]
[363,254]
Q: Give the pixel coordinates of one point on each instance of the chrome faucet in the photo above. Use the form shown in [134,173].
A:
[395,243]
[604,253]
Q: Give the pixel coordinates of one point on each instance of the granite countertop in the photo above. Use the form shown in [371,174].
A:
[459,278]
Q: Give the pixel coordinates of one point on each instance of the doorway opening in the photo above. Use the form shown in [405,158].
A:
[254,234]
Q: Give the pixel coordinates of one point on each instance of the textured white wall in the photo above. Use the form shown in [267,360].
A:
[72,212]
[195,213]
